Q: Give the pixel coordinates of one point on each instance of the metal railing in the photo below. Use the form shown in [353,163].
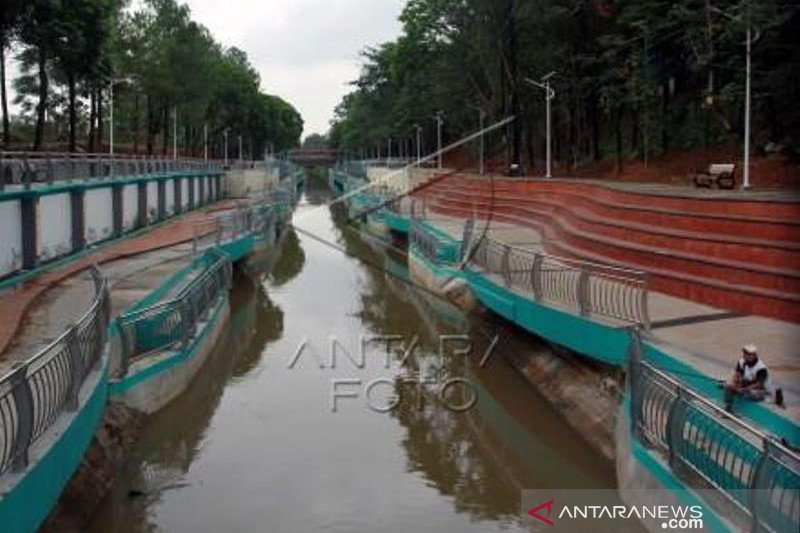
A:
[171,324]
[586,288]
[37,392]
[752,471]
[431,246]
[27,168]
[235,224]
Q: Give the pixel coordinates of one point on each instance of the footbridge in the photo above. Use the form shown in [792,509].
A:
[308,157]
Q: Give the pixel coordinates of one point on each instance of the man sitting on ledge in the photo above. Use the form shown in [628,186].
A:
[749,378]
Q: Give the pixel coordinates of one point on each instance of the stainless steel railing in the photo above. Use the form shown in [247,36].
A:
[173,323]
[587,288]
[37,392]
[752,471]
[27,168]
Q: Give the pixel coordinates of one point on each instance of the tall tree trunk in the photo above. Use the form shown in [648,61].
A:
[150,124]
[92,120]
[41,107]
[595,127]
[618,135]
[135,123]
[165,128]
[3,95]
[665,117]
[100,120]
[73,116]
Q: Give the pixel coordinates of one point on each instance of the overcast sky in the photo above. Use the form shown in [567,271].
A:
[305,50]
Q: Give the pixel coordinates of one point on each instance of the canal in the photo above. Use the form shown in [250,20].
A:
[255,445]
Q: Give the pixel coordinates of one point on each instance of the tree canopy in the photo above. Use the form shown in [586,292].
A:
[633,78]
[165,71]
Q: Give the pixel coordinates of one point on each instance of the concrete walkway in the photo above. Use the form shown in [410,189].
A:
[708,338]
[37,312]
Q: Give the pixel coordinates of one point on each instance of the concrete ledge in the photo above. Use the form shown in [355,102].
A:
[156,380]
[27,497]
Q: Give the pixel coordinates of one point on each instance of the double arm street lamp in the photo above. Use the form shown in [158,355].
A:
[549,94]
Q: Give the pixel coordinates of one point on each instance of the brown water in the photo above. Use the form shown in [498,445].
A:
[254,446]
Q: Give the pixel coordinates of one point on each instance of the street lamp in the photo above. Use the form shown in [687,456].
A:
[747,93]
[240,148]
[111,112]
[481,116]
[549,94]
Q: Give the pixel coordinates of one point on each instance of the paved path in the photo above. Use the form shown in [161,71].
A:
[38,311]
[707,338]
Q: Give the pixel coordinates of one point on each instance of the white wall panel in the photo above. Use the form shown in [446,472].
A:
[55,226]
[130,206]
[10,236]
[152,201]
[99,214]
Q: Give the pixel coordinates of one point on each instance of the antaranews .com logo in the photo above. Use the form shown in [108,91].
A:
[599,511]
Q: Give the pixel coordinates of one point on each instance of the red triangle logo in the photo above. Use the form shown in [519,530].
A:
[535,512]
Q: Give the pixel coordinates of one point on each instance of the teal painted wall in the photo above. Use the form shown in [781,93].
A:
[30,502]
[132,380]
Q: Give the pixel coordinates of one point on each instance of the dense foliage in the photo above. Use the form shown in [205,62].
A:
[166,71]
[634,78]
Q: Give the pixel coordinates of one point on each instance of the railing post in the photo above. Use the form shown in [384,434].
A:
[536,276]
[644,303]
[584,294]
[674,425]
[76,364]
[505,265]
[23,404]
[756,485]
[635,377]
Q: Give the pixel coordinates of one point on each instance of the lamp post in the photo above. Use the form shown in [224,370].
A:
[549,94]
[240,148]
[747,90]
[481,117]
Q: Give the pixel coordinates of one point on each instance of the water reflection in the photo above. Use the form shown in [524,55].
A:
[254,446]
[172,439]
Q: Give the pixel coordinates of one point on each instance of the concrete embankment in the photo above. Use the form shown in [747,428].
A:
[97,472]
[586,393]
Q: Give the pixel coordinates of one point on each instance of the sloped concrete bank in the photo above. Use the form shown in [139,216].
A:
[96,474]
[587,393]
